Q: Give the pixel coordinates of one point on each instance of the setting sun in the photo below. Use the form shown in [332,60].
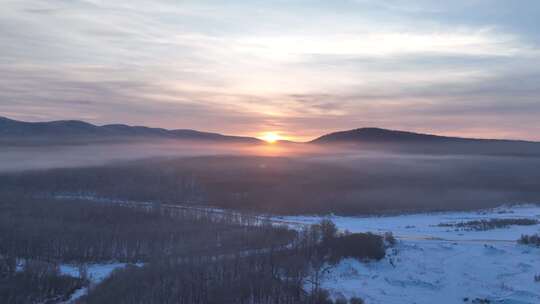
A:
[271,137]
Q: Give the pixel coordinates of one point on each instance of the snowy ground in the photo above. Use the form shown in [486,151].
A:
[434,264]
[96,273]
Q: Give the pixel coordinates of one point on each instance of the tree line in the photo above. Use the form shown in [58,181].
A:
[489,224]
[533,239]
[82,231]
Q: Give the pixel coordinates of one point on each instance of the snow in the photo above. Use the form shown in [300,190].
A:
[96,274]
[432,264]
[76,295]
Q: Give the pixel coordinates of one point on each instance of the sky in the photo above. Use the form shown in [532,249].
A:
[300,68]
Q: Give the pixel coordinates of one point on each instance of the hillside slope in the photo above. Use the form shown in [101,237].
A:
[66,130]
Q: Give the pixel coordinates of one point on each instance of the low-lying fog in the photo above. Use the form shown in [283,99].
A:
[20,158]
[17,158]
[280,178]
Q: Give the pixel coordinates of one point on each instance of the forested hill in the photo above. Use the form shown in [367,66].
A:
[402,141]
[378,135]
[66,130]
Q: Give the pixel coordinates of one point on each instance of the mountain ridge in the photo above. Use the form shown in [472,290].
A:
[61,129]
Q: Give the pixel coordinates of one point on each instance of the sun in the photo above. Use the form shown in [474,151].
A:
[271,137]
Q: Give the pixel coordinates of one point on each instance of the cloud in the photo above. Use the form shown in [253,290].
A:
[299,67]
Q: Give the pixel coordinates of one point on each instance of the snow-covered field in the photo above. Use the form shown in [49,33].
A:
[432,264]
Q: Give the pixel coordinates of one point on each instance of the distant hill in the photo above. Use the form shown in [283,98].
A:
[80,132]
[409,142]
[377,135]
[74,130]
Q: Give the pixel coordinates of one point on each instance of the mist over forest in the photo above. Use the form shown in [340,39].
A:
[284,178]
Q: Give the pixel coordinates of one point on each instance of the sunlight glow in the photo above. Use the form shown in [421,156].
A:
[271,137]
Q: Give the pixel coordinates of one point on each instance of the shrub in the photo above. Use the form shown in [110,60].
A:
[483,225]
[481,301]
[356,301]
[389,238]
[530,239]
[359,246]
[340,301]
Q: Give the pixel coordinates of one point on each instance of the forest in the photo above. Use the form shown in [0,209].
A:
[347,185]
[187,256]
[82,231]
